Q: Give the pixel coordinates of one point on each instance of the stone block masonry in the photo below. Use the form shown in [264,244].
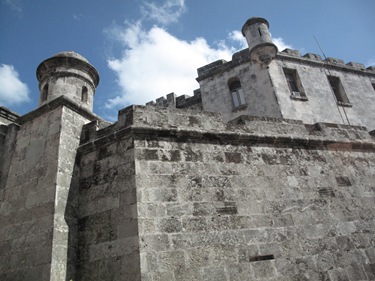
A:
[254,177]
[37,220]
[179,195]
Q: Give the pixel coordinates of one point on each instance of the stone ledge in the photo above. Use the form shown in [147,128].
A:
[53,104]
[207,126]
[280,141]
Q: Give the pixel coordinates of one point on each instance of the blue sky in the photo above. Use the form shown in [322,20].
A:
[147,49]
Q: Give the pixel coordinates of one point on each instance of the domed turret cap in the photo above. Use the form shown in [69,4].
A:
[69,59]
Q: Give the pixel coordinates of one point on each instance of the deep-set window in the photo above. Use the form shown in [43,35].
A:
[294,84]
[338,90]
[84,94]
[237,93]
[44,93]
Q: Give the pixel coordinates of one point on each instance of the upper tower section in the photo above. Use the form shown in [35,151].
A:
[259,40]
[68,74]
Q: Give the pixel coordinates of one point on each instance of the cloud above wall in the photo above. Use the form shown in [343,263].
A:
[164,14]
[15,5]
[281,45]
[370,62]
[12,91]
[154,63]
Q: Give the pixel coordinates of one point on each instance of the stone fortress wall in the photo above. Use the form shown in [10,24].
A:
[193,188]
[256,199]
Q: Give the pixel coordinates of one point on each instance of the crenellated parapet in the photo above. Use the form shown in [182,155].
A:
[174,101]
[330,61]
[243,56]
[7,116]
[170,101]
[200,125]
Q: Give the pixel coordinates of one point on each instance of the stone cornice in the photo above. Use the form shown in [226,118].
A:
[235,137]
[56,103]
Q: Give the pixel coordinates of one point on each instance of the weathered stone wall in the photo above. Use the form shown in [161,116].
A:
[321,105]
[108,225]
[267,93]
[7,116]
[257,199]
[38,161]
[219,210]
[166,194]
[28,196]
[255,82]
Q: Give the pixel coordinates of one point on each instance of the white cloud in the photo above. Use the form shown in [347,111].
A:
[281,45]
[12,90]
[370,62]
[165,13]
[237,37]
[156,63]
[78,16]
[14,5]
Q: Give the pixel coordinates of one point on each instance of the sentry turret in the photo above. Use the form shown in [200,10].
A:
[68,74]
[258,37]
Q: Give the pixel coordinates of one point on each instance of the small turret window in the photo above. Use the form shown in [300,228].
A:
[84,94]
[237,93]
[44,93]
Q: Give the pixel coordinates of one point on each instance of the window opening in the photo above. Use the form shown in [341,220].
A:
[45,93]
[260,32]
[291,82]
[294,84]
[84,94]
[338,90]
[237,94]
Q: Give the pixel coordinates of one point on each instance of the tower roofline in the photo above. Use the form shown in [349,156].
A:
[70,58]
[253,20]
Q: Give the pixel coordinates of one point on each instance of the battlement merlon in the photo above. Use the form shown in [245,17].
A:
[174,101]
[7,116]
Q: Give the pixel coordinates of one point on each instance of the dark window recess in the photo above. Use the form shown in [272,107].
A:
[294,84]
[44,93]
[338,90]
[262,258]
[373,86]
[260,32]
[84,94]
[291,82]
[237,94]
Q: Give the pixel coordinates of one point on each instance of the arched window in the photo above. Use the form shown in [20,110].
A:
[84,94]
[237,93]
[44,93]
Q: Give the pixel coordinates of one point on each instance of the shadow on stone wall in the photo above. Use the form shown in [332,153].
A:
[71,219]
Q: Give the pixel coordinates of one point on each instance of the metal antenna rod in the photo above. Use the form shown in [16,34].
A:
[316,40]
[329,72]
